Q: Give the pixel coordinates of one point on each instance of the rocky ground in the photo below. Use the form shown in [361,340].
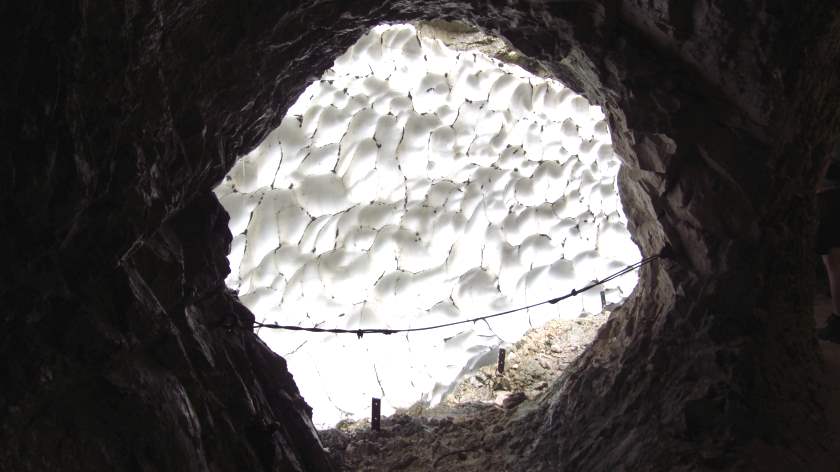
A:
[467,431]
[464,431]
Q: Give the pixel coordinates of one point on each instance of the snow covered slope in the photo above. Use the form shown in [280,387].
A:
[414,185]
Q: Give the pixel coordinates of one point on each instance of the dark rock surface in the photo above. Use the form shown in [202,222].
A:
[122,350]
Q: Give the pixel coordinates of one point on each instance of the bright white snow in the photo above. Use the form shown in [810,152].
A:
[414,185]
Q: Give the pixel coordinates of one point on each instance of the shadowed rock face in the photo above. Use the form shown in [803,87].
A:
[123,350]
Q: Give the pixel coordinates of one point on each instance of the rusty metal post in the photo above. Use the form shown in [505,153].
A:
[501,367]
[375,409]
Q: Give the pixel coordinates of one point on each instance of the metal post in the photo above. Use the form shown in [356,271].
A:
[375,408]
[501,367]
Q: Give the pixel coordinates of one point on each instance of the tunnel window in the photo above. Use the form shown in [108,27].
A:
[413,185]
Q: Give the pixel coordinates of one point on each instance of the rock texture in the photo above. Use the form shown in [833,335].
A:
[123,351]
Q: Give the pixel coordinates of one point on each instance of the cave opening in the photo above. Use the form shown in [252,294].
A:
[125,349]
[415,184]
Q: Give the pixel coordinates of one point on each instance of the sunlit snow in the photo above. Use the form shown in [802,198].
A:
[414,185]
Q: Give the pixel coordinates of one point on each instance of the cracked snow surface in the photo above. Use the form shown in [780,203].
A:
[414,185]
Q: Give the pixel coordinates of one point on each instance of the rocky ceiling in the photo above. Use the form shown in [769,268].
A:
[122,349]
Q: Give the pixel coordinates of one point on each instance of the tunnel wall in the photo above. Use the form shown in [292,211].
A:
[123,350]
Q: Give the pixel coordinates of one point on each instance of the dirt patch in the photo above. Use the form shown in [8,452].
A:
[466,431]
[531,364]
[464,440]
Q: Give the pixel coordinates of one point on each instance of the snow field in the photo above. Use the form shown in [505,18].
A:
[413,185]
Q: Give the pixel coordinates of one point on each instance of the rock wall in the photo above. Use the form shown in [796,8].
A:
[124,351]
